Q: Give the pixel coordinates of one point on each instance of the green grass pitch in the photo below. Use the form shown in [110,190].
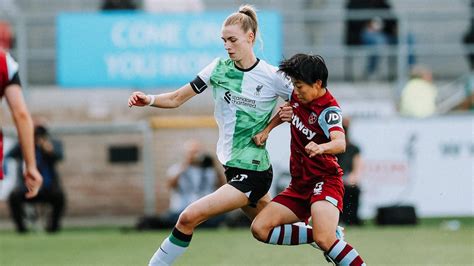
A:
[425,244]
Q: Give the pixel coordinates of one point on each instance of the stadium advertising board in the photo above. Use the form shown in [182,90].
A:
[427,163]
[128,49]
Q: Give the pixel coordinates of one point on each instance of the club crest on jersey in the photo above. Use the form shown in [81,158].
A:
[312,118]
[258,89]
[298,124]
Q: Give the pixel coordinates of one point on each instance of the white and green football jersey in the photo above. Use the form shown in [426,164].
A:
[244,102]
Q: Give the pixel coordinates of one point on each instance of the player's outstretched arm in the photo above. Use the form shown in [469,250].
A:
[24,125]
[283,115]
[335,146]
[165,100]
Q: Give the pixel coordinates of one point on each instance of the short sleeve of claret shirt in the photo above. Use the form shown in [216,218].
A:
[12,66]
[330,119]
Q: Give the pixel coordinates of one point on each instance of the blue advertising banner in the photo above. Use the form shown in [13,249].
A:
[141,50]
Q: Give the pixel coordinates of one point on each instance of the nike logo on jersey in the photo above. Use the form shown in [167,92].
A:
[295,121]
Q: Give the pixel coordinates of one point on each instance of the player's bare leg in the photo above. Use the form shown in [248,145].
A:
[272,216]
[251,212]
[223,200]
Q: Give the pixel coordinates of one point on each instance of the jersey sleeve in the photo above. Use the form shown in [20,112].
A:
[330,119]
[202,80]
[283,86]
[12,66]
[15,80]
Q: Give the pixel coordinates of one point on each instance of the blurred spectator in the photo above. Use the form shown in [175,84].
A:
[48,153]
[156,6]
[373,36]
[355,28]
[351,163]
[195,177]
[469,41]
[382,29]
[118,5]
[10,87]
[418,97]
[467,104]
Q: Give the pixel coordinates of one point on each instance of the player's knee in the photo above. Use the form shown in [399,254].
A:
[188,218]
[259,230]
[324,241]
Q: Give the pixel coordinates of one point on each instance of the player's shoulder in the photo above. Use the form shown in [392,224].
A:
[10,61]
[271,72]
[330,100]
[4,57]
[267,67]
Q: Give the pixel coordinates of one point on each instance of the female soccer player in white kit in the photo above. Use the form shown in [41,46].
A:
[245,91]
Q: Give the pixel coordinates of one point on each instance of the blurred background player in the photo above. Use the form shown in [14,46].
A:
[48,153]
[351,164]
[10,87]
[245,90]
[316,189]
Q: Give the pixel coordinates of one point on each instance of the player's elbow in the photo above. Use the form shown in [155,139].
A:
[176,101]
[341,146]
[20,115]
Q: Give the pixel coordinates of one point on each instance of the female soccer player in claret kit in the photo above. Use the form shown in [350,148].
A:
[10,87]
[245,91]
[316,189]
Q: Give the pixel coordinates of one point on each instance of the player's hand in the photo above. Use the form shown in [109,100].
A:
[286,112]
[352,180]
[33,182]
[45,144]
[260,138]
[138,98]
[313,149]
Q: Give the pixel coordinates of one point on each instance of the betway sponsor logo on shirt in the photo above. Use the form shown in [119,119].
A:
[239,100]
[295,121]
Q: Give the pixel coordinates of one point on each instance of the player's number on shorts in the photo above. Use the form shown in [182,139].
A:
[240,177]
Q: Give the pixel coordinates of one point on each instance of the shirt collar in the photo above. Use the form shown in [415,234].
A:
[323,100]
